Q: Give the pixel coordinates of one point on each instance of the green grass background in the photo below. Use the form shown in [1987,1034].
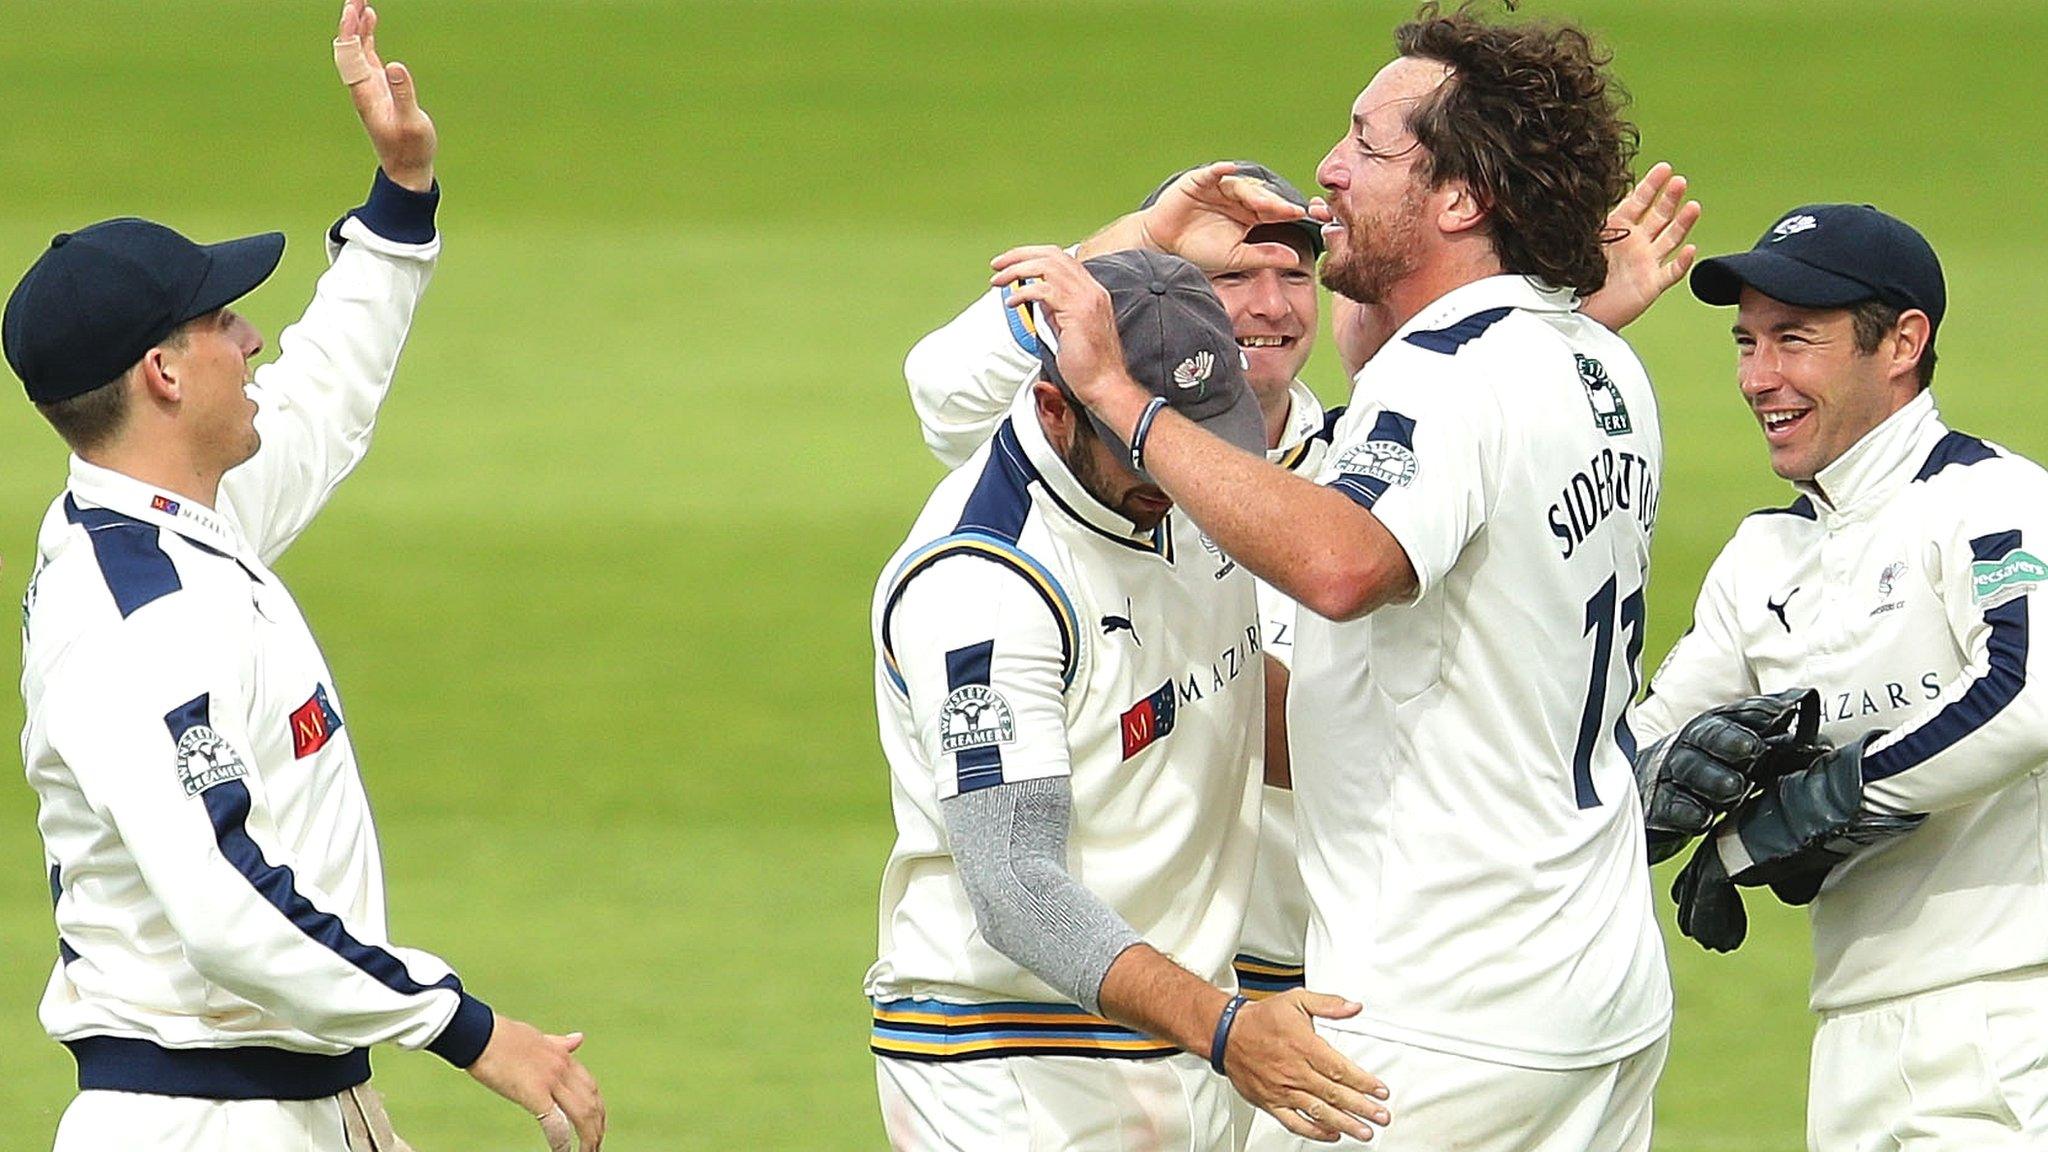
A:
[597,602]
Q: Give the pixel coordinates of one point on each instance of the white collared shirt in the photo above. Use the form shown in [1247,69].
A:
[1471,837]
[1024,631]
[1899,585]
[209,844]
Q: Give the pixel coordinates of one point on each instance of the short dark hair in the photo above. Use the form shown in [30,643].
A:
[1532,123]
[90,419]
[1873,320]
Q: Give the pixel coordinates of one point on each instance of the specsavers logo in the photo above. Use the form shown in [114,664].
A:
[2014,574]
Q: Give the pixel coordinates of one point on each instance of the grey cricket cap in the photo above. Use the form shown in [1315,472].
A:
[1305,228]
[1178,343]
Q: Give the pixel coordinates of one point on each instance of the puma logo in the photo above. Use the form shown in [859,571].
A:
[1111,624]
[1777,607]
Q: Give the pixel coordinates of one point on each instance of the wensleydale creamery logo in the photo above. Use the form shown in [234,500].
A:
[2013,574]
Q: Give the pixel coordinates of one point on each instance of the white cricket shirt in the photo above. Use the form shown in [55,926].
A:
[1024,631]
[218,890]
[1471,837]
[963,379]
[1900,584]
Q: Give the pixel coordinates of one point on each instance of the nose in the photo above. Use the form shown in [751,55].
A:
[1330,173]
[1266,300]
[1757,373]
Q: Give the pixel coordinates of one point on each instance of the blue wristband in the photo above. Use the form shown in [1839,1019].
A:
[1222,1038]
[1143,430]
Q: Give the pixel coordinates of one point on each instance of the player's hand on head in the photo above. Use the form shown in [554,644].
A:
[540,1073]
[1077,308]
[1204,217]
[386,100]
[1648,253]
[1275,1060]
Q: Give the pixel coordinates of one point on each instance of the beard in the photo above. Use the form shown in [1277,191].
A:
[1378,253]
[1079,457]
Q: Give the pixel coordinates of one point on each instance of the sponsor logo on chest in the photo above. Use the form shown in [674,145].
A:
[1152,719]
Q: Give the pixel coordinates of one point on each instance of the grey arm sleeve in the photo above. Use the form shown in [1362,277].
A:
[1010,843]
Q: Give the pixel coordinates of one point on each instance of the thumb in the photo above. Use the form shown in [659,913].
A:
[1329,1007]
[572,1041]
[402,92]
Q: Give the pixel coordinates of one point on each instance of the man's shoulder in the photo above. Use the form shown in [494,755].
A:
[1962,463]
[104,570]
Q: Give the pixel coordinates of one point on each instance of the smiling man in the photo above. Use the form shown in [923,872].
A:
[1898,584]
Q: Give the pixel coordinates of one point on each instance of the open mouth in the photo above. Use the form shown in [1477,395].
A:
[1255,343]
[1781,424]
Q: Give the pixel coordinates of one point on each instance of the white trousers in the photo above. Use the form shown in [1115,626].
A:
[1440,1102]
[1962,1068]
[98,1121]
[1057,1104]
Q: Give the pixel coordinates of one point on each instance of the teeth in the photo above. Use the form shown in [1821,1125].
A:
[1261,341]
[1780,419]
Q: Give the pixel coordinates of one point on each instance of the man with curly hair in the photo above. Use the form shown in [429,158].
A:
[1474,556]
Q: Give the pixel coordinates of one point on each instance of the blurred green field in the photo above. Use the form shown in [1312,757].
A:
[597,602]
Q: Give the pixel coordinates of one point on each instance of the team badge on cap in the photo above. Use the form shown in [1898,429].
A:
[1793,226]
[1194,371]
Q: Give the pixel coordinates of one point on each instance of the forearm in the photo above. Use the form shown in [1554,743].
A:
[1009,844]
[1146,990]
[1311,542]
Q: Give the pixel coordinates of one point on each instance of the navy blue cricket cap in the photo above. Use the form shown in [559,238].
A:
[1178,343]
[1832,256]
[100,297]
[1307,228]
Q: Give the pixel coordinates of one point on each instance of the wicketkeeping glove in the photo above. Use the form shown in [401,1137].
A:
[1812,819]
[1709,905]
[1689,779]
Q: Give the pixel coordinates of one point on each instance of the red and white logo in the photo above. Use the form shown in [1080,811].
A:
[314,723]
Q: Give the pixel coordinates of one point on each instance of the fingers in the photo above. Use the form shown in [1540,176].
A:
[560,1134]
[349,57]
[1328,1007]
[1296,1121]
[1257,199]
[1247,257]
[1007,261]
[1637,203]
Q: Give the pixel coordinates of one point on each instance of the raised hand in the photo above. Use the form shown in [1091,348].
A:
[541,1074]
[386,100]
[1203,218]
[1649,254]
[1076,307]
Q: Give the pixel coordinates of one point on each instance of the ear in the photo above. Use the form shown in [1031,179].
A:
[1055,415]
[159,373]
[1458,209]
[1908,343]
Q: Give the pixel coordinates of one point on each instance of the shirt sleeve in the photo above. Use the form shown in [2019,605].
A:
[1993,726]
[985,649]
[317,402]
[1706,668]
[964,376]
[152,721]
[1422,467]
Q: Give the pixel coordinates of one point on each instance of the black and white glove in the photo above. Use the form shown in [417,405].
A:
[1692,777]
[1812,819]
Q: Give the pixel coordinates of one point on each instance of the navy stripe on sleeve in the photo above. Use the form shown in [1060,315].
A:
[981,766]
[1958,448]
[2000,684]
[131,556]
[227,806]
[1363,488]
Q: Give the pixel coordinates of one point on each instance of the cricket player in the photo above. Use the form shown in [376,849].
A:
[1070,692]
[223,963]
[963,378]
[1898,583]
[1473,564]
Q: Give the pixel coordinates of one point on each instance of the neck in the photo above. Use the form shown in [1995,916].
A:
[1467,260]
[173,474]
[1274,407]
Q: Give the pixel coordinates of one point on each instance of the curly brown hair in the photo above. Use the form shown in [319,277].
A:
[1532,123]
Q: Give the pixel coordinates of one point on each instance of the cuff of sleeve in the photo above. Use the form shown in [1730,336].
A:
[395,213]
[468,1031]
